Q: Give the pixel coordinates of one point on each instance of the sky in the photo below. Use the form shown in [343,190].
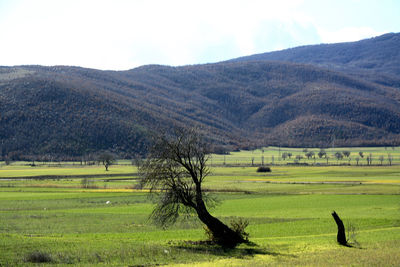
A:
[124,34]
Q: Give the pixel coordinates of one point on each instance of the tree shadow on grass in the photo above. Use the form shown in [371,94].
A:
[248,249]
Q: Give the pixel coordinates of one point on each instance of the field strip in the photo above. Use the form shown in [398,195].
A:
[394,182]
[328,234]
[114,190]
[50,177]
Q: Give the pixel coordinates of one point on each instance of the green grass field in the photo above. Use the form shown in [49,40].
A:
[47,215]
[273,155]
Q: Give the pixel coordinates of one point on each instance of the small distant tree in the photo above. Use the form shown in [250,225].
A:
[346,153]
[390,159]
[106,159]
[381,159]
[86,183]
[370,158]
[321,153]
[338,155]
[284,155]
[310,154]
[289,154]
[7,161]
[357,160]
[299,157]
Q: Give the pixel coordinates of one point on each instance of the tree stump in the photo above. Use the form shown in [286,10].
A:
[341,235]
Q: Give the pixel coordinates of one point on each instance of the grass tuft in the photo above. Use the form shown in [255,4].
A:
[38,257]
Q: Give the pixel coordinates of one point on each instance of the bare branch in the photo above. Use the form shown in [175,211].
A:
[175,170]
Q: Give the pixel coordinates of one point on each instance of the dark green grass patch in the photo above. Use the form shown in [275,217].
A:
[38,257]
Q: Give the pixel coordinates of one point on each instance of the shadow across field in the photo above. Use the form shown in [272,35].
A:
[249,249]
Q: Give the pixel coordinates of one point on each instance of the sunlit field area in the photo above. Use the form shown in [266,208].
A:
[70,214]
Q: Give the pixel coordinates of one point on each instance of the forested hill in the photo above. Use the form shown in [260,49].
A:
[378,55]
[71,111]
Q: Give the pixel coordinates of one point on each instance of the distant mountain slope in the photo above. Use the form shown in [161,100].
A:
[380,54]
[265,96]
[69,111]
[44,116]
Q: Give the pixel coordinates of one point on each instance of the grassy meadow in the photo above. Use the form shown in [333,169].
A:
[73,215]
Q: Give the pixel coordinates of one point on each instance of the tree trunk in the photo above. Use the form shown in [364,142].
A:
[341,235]
[224,235]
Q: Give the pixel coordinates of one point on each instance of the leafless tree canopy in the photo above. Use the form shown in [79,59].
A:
[175,169]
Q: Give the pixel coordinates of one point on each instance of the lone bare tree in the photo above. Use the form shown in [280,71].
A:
[310,154]
[175,169]
[381,159]
[390,159]
[321,153]
[107,159]
[346,153]
[369,159]
[339,156]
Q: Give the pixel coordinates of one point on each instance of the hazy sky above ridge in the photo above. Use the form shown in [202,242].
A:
[123,34]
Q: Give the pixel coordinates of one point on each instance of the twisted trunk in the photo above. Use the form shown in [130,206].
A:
[224,235]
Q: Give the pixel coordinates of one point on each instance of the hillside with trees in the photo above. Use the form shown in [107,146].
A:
[379,55]
[70,112]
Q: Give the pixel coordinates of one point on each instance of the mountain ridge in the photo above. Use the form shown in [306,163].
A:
[357,55]
[65,111]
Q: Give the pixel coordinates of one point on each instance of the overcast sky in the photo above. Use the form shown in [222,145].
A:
[119,35]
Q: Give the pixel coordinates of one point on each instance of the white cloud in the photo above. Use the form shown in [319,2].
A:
[121,34]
